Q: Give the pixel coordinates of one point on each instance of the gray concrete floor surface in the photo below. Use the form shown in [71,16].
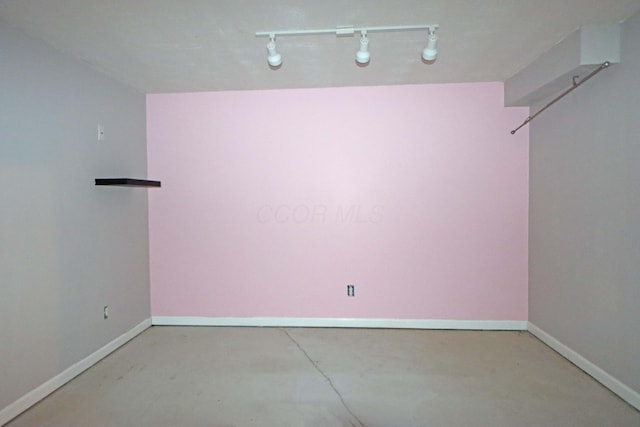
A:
[290,377]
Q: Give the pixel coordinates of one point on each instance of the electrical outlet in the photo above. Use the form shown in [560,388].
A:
[100,133]
[105,312]
[351,290]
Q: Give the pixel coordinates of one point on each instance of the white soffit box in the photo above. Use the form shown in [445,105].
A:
[551,73]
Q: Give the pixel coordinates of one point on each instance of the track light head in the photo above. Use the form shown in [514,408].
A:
[430,53]
[362,55]
[274,58]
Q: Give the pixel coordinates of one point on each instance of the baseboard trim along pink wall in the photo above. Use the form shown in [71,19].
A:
[315,322]
[273,202]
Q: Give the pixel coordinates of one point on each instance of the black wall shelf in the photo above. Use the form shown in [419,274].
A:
[127,182]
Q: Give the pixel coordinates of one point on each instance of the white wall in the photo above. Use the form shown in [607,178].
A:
[584,249]
[67,248]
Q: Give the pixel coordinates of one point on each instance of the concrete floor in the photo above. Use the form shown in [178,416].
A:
[223,377]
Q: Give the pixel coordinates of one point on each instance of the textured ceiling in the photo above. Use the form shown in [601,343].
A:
[206,45]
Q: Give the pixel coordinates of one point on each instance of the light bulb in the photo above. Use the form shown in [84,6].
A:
[362,55]
[430,53]
[274,58]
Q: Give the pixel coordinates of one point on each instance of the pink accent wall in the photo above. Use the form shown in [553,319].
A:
[272,202]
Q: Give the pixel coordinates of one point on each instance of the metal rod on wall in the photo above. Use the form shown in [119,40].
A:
[576,83]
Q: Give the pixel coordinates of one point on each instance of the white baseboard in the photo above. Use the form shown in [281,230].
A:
[39,393]
[312,322]
[606,379]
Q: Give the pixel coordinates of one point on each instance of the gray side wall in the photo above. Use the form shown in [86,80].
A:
[67,248]
[584,250]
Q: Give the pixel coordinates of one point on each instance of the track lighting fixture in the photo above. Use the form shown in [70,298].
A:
[430,53]
[274,58]
[363,55]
